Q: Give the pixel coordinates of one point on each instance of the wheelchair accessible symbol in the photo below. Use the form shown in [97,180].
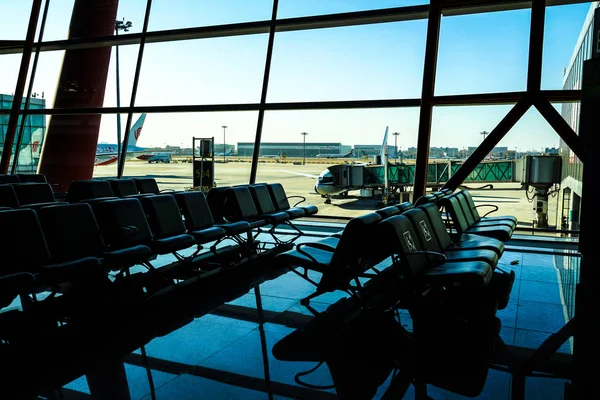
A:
[425,231]
[409,242]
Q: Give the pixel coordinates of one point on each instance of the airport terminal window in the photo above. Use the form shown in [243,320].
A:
[223,73]
[483,53]
[292,8]
[349,63]
[203,71]
[127,60]
[206,12]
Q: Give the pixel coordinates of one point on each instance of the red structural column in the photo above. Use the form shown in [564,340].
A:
[71,140]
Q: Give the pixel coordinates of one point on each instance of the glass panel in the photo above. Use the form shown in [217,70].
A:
[292,8]
[126,71]
[350,138]
[15,16]
[459,130]
[169,15]
[483,53]
[9,70]
[59,17]
[46,77]
[205,71]
[360,62]
[171,135]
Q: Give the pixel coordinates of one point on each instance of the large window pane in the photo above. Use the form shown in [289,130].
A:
[296,160]
[15,16]
[47,74]
[173,133]
[360,62]
[205,71]
[483,53]
[172,15]
[293,8]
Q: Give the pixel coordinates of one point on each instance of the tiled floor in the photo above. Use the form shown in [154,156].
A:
[218,357]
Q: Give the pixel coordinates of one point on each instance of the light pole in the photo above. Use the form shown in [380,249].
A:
[119,26]
[304,151]
[396,134]
[224,127]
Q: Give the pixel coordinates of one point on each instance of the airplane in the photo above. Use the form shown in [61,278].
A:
[156,156]
[326,183]
[106,153]
[224,154]
[340,155]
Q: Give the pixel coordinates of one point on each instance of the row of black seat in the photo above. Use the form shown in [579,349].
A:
[72,251]
[104,188]
[18,192]
[463,216]
[402,257]
[22,178]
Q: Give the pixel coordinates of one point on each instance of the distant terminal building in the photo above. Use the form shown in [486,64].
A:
[497,152]
[361,150]
[33,133]
[437,152]
[291,149]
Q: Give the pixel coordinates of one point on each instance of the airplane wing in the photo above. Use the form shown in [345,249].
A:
[300,173]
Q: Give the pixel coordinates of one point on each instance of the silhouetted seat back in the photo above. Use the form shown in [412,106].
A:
[124,187]
[8,197]
[4,179]
[123,223]
[22,241]
[281,200]
[195,209]
[34,193]
[71,232]
[166,224]
[147,185]
[88,189]
[32,178]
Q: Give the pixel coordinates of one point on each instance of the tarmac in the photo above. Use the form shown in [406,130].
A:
[299,180]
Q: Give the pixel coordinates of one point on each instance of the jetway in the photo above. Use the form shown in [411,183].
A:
[539,174]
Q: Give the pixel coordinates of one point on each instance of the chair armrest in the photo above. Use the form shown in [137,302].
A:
[297,197]
[71,270]
[438,258]
[315,245]
[488,205]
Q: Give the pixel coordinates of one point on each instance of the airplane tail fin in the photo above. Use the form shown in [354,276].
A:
[384,149]
[136,130]
[36,143]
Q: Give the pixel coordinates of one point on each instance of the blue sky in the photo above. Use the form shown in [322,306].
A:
[478,53]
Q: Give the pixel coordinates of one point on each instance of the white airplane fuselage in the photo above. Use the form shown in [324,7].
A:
[325,185]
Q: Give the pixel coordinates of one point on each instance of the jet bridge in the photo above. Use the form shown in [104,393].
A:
[539,174]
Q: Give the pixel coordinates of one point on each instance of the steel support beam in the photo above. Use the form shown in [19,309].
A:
[558,123]
[263,95]
[136,80]
[427,95]
[536,48]
[29,90]
[488,144]
[13,121]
